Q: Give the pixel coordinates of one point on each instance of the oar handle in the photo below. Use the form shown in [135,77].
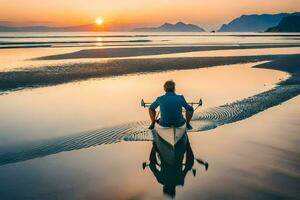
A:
[146,104]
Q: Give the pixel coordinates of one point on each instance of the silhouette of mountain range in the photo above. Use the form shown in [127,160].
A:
[167,27]
[287,24]
[254,23]
[88,27]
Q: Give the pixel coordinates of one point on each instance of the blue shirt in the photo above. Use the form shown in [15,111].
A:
[171,109]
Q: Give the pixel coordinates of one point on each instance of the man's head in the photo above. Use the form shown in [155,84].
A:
[169,86]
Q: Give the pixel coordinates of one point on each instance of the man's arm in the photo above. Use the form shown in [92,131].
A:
[188,115]
[189,111]
[152,112]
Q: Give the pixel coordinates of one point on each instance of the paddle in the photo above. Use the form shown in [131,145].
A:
[197,104]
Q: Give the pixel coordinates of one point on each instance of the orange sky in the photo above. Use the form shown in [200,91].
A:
[209,14]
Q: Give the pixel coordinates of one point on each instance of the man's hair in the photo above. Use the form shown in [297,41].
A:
[169,86]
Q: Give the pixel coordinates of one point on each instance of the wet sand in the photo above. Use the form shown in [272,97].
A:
[257,158]
[210,118]
[143,51]
[53,75]
[247,132]
[254,159]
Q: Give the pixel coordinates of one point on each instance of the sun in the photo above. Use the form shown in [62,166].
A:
[99,21]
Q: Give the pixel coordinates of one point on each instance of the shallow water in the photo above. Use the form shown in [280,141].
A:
[66,109]
[67,141]
[19,55]
[57,39]
[115,171]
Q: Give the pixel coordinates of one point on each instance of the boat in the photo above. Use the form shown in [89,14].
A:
[170,134]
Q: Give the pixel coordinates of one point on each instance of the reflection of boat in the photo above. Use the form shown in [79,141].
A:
[170,134]
[170,164]
[168,152]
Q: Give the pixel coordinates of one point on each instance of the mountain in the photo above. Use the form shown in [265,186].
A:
[22,28]
[254,23]
[287,24]
[88,27]
[167,27]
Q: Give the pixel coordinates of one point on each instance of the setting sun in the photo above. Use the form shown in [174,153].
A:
[99,21]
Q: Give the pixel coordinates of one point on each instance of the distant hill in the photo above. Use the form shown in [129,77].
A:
[88,27]
[254,23]
[167,27]
[287,24]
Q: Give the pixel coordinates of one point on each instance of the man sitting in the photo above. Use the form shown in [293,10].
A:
[171,108]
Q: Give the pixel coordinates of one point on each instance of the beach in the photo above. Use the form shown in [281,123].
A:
[72,126]
[236,169]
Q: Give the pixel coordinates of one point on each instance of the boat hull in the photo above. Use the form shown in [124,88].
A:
[171,134]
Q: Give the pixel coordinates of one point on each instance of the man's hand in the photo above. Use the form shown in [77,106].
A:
[188,126]
[152,125]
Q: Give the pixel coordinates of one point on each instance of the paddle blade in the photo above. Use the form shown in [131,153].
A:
[143,103]
[200,102]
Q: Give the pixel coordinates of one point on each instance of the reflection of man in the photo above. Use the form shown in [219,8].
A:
[171,108]
[171,175]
